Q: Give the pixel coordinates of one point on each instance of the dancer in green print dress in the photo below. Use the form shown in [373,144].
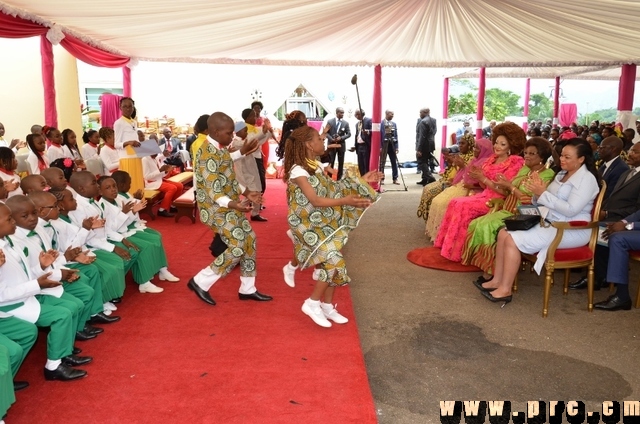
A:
[322,212]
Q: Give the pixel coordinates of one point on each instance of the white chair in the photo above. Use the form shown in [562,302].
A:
[23,166]
[95,166]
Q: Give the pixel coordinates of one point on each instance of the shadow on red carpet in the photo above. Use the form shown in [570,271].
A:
[429,257]
[174,359]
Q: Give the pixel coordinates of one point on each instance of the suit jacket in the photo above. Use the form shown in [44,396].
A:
[611,177]
[624,198]
[393,133]
[425,135]
[344,132]
[366,136]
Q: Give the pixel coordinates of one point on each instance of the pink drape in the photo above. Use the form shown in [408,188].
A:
[376,115]
[317,125]
[49,83]
[126,81]
[527,97]
[15,27]
[568,114]
[556,102]
[109,110]
[480,113]
[445,116]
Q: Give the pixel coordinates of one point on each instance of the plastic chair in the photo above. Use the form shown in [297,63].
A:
[23,166]
[95,166]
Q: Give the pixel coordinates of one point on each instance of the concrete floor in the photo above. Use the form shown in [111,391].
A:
[429,335]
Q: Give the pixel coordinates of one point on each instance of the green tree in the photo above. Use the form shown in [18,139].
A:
[498,103]
[540,107]
[466,103]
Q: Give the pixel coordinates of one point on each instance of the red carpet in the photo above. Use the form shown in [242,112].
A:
[174,359]
[429,257]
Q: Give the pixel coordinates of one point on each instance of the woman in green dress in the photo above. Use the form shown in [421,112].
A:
[480,243]
[458,162]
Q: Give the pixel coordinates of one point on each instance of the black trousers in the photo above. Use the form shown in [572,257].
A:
[389,149]
[364,153]
[332,159]
[262,173]
[423,166]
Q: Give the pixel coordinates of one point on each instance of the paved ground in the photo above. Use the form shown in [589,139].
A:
[429,335]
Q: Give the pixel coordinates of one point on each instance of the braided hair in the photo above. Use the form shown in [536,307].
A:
[293,120]
[295,152]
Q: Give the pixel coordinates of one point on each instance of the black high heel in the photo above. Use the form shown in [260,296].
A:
[482,280]
[505,299]
[478,284]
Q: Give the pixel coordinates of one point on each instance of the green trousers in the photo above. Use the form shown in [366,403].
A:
[7,395]
[62,332]
[67,301]
[111,268]
[18,336]
[90,275]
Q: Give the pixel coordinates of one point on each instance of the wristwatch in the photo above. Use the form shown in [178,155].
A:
[629,226]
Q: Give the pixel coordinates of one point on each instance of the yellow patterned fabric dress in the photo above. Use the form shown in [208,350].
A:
[321,232]
[215,179]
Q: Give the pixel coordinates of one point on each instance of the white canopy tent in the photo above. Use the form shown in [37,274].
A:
[420,33]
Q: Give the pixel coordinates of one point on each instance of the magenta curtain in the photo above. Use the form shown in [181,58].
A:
[568,114]
[15,27]
[376,118]
[109,110]
[126,81]
[626,87]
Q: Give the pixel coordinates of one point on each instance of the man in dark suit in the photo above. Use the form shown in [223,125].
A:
[338,133]
[623,236]
[389,137]
[622,202]
[613,166]
[170,148]
[363,141]
[426,129]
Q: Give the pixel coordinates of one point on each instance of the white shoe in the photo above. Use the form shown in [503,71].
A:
[149,287]
[106,311]
[110,306]
[331,313]
[165,275]
[314,311]
[289,274]
[316,274]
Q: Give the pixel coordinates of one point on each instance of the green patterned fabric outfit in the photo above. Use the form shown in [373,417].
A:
[215,178]
[320,233]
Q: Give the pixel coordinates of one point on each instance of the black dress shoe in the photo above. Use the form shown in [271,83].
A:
[483,280]
[103,319]
[505,299]
[582,283]
[81,336]
[173,209]
[92,330]
[64,373]
[613,303]
[166,214]
[478,284]
[259,218]
[255,296]
[76,361]
[203,295]
[76,350]
[116,300]
[20,385]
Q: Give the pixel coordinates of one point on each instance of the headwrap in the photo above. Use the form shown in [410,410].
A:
[597,138]
[486,150]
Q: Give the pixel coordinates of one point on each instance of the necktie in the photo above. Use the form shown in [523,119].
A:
[631,174]
[338,122]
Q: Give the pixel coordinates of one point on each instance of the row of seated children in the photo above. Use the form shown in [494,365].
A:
[63,259]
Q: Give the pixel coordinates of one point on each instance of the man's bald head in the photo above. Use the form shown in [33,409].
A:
[610,148]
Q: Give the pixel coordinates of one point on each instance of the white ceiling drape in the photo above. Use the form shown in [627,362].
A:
[417,33]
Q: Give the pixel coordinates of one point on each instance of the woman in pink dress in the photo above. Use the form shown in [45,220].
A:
[509,140]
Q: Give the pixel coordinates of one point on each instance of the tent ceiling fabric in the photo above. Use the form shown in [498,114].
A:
[420,33]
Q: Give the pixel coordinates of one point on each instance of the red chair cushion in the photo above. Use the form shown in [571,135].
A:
[578,223]
[574,254]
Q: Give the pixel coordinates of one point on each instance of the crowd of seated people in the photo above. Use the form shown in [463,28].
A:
[558,170]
